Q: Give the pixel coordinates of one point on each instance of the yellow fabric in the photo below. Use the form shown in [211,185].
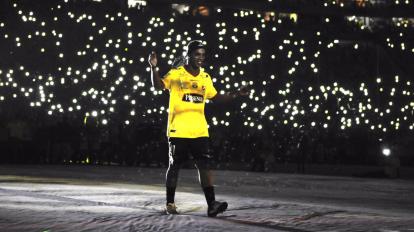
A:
[188,95]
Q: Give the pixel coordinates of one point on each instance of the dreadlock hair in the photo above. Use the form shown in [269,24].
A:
[179,61]
[188,49]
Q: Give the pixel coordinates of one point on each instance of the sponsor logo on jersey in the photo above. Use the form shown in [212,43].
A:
[194,98]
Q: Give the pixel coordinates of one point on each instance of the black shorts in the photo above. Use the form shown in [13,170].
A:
[184,149]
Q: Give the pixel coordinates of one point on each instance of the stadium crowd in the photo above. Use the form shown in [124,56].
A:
[75,86]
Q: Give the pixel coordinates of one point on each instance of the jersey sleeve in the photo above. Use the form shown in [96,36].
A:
[169,78]
[210,90]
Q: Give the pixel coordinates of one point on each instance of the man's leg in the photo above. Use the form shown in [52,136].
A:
[177,151]
[171,182]
[206,181]
[172,171]
[203,163]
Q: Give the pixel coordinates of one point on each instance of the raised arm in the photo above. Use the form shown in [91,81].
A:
[155,75]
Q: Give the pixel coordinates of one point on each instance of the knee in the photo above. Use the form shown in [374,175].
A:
[204,163]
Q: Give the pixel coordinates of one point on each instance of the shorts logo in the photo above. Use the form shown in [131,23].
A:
[194,98]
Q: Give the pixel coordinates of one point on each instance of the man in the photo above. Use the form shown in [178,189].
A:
[187,130]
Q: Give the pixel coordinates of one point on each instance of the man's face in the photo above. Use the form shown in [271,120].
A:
[197,57]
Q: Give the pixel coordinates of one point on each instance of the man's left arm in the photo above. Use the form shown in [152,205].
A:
[230,96]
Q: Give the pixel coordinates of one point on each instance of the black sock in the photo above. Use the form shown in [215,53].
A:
[209,193]
[170,194]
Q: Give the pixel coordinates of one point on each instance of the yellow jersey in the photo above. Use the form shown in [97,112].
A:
[188,96]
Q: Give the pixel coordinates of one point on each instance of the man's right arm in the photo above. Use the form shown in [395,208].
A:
[155,75]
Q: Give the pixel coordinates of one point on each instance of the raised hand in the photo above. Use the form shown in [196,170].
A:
[152,59]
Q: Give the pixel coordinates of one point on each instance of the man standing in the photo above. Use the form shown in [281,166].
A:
[189,87]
